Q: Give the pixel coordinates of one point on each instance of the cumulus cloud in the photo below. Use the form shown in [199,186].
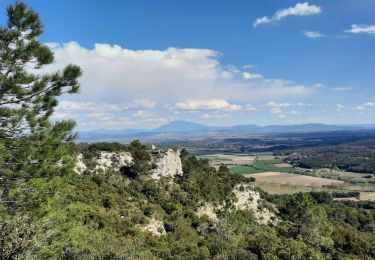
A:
[313,34]
[369,29]
[207,104]
[248,75]
[300,9]
[366,106]
[117,75]
[276,108]
[130,88]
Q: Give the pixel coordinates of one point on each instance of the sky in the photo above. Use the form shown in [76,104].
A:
[216,62]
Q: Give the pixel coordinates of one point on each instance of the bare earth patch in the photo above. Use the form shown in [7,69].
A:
[293,179]
[230,159]
[281,165]
[367,195]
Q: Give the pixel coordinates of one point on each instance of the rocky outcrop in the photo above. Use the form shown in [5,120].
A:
[168,164]
[209,211]
[80,167]
[247,198]
[112,159]
[154,226]
[104,161]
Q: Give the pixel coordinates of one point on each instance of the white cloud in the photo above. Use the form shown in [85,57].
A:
[249,66]
[275,104]
[339,107]
[117,83]
[261,20]
[207,104]
[276,108]
[300,9]
[313,34]
[143,114]
[67,105]
[248,75]
[369,29]
[249,107]
[214,116]
[294,112]
[343,88]
[366,106]
[142,104]
[116,75]
[89,106]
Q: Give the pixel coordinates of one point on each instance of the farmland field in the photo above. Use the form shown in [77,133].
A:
[230,159]
[294,179]
[244,169]
[259,166]
[277,177]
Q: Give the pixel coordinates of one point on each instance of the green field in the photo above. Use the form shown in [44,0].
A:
[261,166]
[244,169]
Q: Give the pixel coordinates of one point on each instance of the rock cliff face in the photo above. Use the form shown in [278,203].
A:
[249,199]
[104,161]
[115,160]
[168,164]
[246,198]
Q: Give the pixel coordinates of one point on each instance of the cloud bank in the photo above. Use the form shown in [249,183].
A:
[114,75]
[140,88]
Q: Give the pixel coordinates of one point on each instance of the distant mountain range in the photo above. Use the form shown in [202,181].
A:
[180,129]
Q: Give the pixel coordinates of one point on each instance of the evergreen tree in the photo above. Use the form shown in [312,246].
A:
[30,143]
[31,146]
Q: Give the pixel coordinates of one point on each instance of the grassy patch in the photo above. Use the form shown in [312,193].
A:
[261,166]
[244,169]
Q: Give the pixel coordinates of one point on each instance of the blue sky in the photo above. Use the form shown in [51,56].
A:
[150,62]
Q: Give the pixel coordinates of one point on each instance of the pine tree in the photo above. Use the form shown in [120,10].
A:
[30,144]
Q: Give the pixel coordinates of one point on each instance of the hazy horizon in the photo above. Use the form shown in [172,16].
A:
[233,125]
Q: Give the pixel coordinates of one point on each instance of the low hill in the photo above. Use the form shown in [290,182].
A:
[179,129]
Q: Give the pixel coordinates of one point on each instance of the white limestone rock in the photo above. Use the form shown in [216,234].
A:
[208,210]
[104,161]
[168,164]
[156,227]
[249,199]
[112,159]
[80,167]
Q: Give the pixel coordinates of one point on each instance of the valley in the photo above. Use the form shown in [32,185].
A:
[276,171]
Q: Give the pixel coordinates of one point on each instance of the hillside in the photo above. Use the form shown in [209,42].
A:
[136,202]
